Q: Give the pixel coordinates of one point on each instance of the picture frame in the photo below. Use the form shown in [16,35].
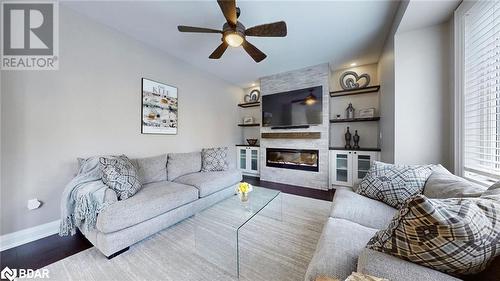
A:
[159,108]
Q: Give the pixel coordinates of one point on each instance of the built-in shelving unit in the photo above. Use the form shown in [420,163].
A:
[371,89]
[249,125]
[253,145]
[355,120]
[249,104]
[359,149]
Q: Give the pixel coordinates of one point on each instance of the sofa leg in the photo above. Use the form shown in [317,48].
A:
[118,253]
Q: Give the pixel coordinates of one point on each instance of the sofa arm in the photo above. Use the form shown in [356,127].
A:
[386,266]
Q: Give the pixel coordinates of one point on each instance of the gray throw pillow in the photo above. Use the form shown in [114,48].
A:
[151,169]
[180,164]
[493,190]
[214,159]
[394,184]
[443,184]
[120,175]
[455,235]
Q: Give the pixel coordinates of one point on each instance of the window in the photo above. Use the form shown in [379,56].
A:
[480,91]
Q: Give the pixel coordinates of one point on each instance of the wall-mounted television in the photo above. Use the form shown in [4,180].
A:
[294,108]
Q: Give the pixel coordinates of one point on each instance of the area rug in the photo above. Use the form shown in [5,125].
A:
[270,249]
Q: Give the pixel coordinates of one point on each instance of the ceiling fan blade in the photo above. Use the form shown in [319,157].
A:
[183,28]
[256,54]
[219,51]
[275,29]
[228,8]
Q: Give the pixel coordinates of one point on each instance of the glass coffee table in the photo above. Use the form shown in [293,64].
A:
[217,228]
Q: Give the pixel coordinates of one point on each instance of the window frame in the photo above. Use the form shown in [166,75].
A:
[459,93]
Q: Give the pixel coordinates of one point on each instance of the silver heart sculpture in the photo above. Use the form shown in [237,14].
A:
[352,81]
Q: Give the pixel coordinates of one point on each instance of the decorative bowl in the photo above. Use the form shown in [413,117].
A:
[252,141]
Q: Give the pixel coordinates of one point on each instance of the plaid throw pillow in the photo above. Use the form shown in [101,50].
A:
[120,175]
[214,159]
[456,235]
[394,184]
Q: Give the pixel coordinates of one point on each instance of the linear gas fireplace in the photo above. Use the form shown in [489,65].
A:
[298,159]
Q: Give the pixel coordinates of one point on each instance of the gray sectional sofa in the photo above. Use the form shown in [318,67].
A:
[173,188]
[354,219]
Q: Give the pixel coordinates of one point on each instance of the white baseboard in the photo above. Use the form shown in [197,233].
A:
[27,235]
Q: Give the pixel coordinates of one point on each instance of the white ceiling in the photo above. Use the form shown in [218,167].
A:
[435,12]
[338,32]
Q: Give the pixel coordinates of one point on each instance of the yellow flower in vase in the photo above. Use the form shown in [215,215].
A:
[243,189]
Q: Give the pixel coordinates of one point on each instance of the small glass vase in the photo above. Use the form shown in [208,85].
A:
[243,196]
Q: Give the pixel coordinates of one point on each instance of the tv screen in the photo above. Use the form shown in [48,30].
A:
[294,108]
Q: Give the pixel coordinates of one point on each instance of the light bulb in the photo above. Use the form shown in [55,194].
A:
[233,39]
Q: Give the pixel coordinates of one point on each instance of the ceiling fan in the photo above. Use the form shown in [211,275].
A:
[234,32]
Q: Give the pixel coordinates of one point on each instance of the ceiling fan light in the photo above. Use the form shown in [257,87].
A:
[233,39]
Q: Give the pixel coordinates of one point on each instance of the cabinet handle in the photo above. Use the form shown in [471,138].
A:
[355,152]
[349,152]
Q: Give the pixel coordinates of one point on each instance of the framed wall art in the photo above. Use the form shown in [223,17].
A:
[159,108]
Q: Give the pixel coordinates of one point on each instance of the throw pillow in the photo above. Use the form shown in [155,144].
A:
[120,175]
[455,236]
[443,184]
[151,169]
[180,164]
[394,184]
[493,190]
[214,159]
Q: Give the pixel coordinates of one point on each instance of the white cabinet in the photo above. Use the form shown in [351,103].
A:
[248,160]
[349,167]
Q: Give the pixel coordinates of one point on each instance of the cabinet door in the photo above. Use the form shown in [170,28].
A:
[362,161]
[242,158]
[254,160]
[342,168]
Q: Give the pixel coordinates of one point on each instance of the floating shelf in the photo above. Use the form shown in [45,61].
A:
[359,149]
[371,89]
[296,135]
[249,125]
[255,145]
[355,120]
[249,104]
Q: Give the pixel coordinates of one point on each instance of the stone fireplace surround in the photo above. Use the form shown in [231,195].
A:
[293,80]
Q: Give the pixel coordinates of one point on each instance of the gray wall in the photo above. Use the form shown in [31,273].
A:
[386,74]
[91,106]
[423,96]
[288,81]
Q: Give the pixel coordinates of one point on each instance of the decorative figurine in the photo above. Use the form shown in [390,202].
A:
[349,112]
[356,139]
[351,80]
[347,139]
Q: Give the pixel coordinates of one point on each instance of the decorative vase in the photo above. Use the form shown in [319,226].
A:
[355,139]
[243,196]
[349,112]
[347,137]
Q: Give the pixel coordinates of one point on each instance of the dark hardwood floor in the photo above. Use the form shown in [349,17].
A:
[42,252]
[45,251]
[292,189]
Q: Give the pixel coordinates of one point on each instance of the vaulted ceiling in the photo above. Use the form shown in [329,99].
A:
[338,32]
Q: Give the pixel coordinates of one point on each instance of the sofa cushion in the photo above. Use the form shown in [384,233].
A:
[349,205]
[120,175]
[152,200]
[394,184]
[214,159]
[456,235]
[385,266]
[210,182]
[180,164]
[338,248]
[443,184]
[151,169]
